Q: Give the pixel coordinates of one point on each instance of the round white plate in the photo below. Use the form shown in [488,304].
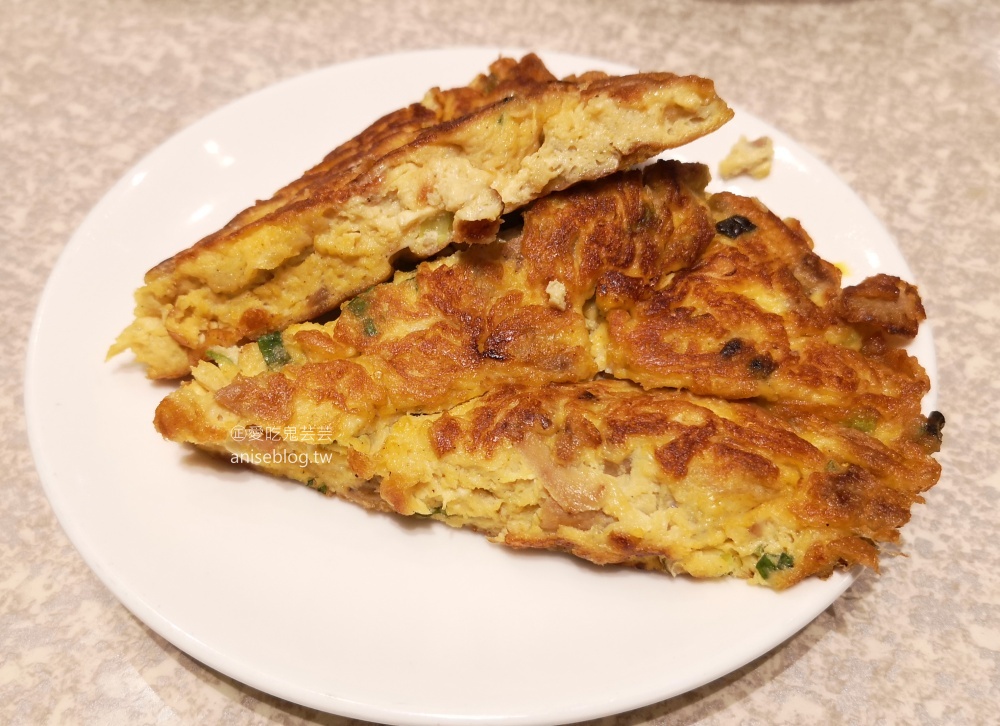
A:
[312,599]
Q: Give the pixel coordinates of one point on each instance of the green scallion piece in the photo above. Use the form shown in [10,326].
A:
[273,350]
[358,306]
[772,563]
[217,357]
[865,422]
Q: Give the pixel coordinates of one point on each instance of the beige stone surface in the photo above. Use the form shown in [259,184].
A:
[900,97]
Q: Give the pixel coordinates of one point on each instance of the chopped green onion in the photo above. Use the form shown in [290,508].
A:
[772,563]
[273,350]
[369,328]
[438,228]
[358,306]
[648,215]
[217,357]
[321,488]
[864,422]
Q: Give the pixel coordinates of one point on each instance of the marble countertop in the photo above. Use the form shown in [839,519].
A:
[900,97]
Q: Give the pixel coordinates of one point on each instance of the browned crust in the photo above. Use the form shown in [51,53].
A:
[358,171]
[278,263]
[355,157]
[884,303]
[456,330]
[713,329]
[848,506]
[805,410]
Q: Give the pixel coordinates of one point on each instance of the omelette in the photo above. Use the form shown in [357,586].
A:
[636,373]
[440,172]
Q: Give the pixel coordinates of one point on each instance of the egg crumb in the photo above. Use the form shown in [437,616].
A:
[557,294]
[752,158]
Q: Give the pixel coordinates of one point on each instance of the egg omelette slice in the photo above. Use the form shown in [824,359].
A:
[476,390]
[407,187]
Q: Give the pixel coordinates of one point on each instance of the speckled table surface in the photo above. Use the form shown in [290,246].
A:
[900,97]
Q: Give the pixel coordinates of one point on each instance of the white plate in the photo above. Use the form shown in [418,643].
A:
[313,599]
